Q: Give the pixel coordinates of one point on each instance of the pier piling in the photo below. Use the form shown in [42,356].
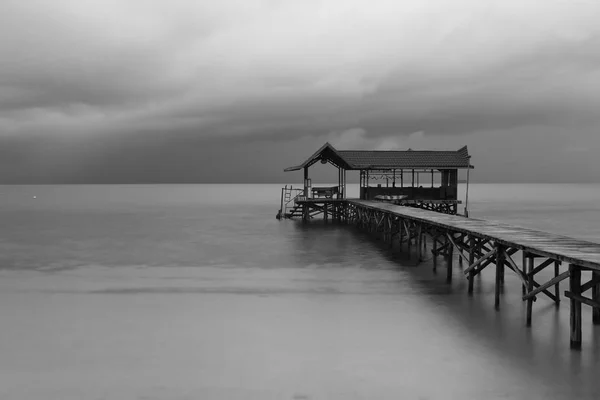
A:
[500,258]
[596,297]
[471,274]
[434,252]
[575,289]
[530,268]
[449,259]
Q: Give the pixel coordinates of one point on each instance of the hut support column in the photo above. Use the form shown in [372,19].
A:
[500,258]
[575,288]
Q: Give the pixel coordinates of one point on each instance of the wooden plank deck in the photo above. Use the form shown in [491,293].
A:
[563,248]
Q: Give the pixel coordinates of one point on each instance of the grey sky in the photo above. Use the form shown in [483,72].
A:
[234,91]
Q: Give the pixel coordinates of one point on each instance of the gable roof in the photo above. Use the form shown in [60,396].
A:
[326,152]
[390,159]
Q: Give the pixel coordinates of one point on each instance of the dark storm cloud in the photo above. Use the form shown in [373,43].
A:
[88,86]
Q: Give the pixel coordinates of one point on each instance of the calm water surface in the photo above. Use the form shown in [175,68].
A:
[198,292]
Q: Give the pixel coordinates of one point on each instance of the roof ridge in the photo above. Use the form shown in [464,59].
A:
[407,150]
[370,159]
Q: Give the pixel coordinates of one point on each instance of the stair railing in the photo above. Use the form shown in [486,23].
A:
[289,195]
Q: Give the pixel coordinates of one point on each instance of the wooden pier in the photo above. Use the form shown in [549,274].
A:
[410,215]
[479,244]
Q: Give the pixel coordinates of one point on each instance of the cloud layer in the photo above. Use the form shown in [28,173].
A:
[93,79]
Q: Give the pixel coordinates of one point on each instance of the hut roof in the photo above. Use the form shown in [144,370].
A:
[389,159]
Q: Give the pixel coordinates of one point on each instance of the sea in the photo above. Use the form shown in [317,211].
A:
[199,292]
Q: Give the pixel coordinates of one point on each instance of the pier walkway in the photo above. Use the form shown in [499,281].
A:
[480,243]
[546,244]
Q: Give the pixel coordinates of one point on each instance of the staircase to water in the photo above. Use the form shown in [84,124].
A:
[289,208]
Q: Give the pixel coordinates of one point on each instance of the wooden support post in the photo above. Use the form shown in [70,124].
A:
[596,298]
[420,241]
[305,210]
[502,270]
[500,257]
[471,261]
[557,286]
[575,288]
[460,253]
[449,258]
[458,249]
[524,270]
[409,237]
[281,210]
[400,233]
[530,267]
[434,252]
[513,267]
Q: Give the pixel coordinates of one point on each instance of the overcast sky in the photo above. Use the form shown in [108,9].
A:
[202,91]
